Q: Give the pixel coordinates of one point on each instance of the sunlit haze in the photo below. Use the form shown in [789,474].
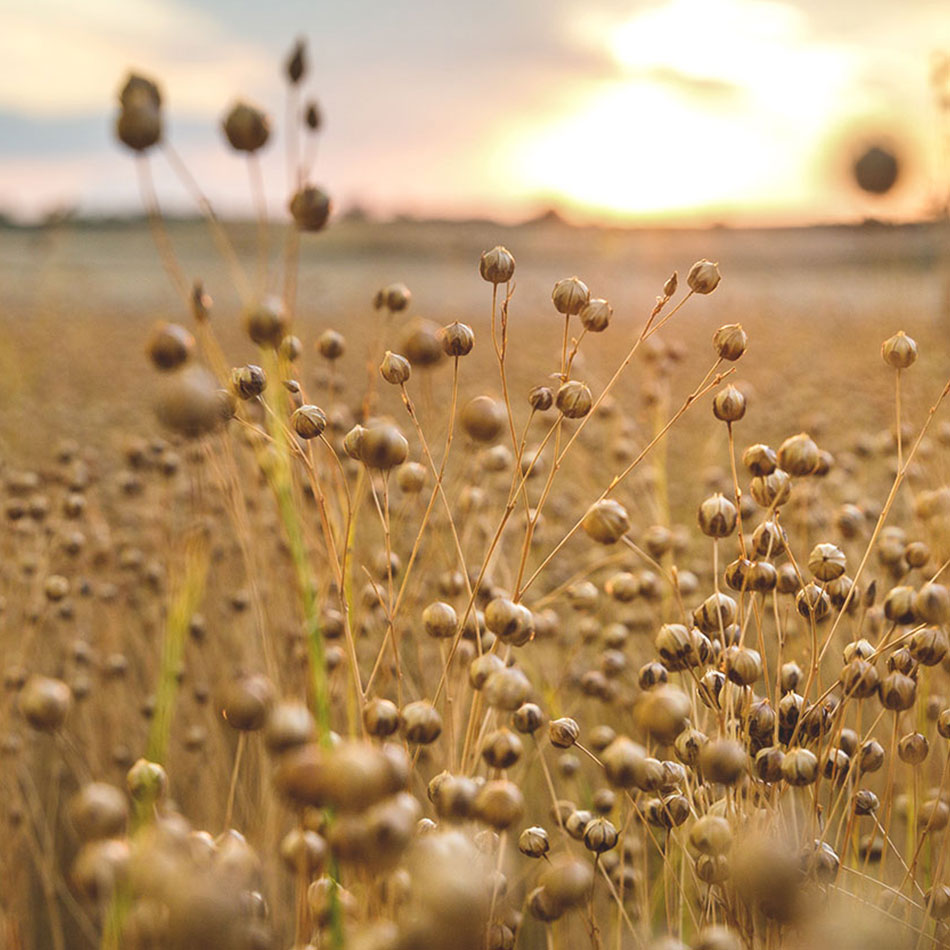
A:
[679,111]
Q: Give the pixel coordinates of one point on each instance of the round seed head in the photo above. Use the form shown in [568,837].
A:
[502,749]
[139,123]
[573,399]
[743,666]
[99,810]
[395,369]
[728,404]
[703,277]
[723,761]
[760,459]
[507,688]
[457,339]
[827,562]
[871,756]
[800,767]
[421,723]
[717,516]
[248,381]
[331,345]
[541,398]
[730,341]
[595,315]
[411,477]
[929,646]
[533,842]
[710,835]
[798,455]
[499,804]
[570,296]
[568,882]
[146,781]
[288,724]
[310,207]
[169,346]
[247,129]
[383,447]
[663,712]
[606,521]
[813,601]
[248,702]
[45,702]
[483,418]
[440,620]
[913,748]
[381,717]
[497,266]
[563,733]
[899,351]
[267,321]
[190,402]
[528,718]
[600,835]
[309,422]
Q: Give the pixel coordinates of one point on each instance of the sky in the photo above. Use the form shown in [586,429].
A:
[628,111]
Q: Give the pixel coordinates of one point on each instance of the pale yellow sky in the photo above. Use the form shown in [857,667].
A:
[673,110]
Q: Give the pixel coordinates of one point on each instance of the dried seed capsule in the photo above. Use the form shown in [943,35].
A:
[826,562]
[507,688]
[663,712]
[248,702]
[913,748]
[309,422]
[929,646]
[381,717]
[421,723]
[717,516]
[860,679]
[45,702]
[483,419]
[710,835]
[533,842]
[768,764]
[289,724]
[568,882]
[813,601]
[865,802]
[501,749]
[457,339]
[497,266]
[331,345]
[310,207]
[730,341]
[139,124]
[743,666]
[595,315]
[499,804]
[395,369]
[800,767]
[606,521]
[760,460]
[169,346]
[728,404]
[248,381]
[247,129]
[482,667]
[570,296]
[899,351]
[146,781]
[440,620]
[897,692]
[383,447]
[899,605]
[799,455]
[600,835]
[943,724]
[563,733]
[573,399]
[870,756]
[715,614]
[763,577]
[703,277]
[723,761]
[99,810]
[541,398]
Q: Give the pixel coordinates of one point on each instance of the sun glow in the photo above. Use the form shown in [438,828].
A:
[722,105]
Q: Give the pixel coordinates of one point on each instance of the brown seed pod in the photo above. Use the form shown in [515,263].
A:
[595,315]
[309,422]
[497,266]
[533,842]
[381,717]
[899,605]
[420,344]
[247,129]
[45,702]
[771,491]
[573,399]
[870,756]
[929,646]
[563,733]
[717,516]
[99,810]
[703,277]
[913,748]
[743,666]
[688,744]
[827,562]
[248,702]
[865,802]
[146,781]
[710,835]
[190,402]
[570,296]
[421,722]
[567,881]
[859,678]
[723,761]
[267,321]
[303,852]
[383,447]
[813,602]
[510,622]
[606,521]
[624,762]
[663,712]
[440,620]
[729,404]
[899,351]
[248,381]
[457,339]
[499,804]
[600,835]
[310,207]
[331,345]
[395,369]
[507,688]
[528,718]
[730,342]
[483,418]
[760,460]
[169,346]
[541,398]
[139,123]
[502,749]
[768,764]
[800,767]
[897,692]
[798,455]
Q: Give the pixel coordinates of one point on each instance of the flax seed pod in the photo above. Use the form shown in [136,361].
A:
[595,315]
[710,835]
[45,702]
[570,296]
[573,399]
[799,455]
[457,339]
[760,460]
[309,422]
[483,419]
[139,123]
[563,733]
[541,398]
[395,369]
[331,345]
[800,767]
[723,761]
[502,749]
[729,404]
[827,562]
[499,804]
[664,713]
[247,129]
[169,346]
[730,341]
[913,748]
[897,692]
[899,351]
[497,266]
[717,516]
[533,842]
[310,208]
[703,277]
[383,447]
[421,723]
[606,521]
[381,717]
